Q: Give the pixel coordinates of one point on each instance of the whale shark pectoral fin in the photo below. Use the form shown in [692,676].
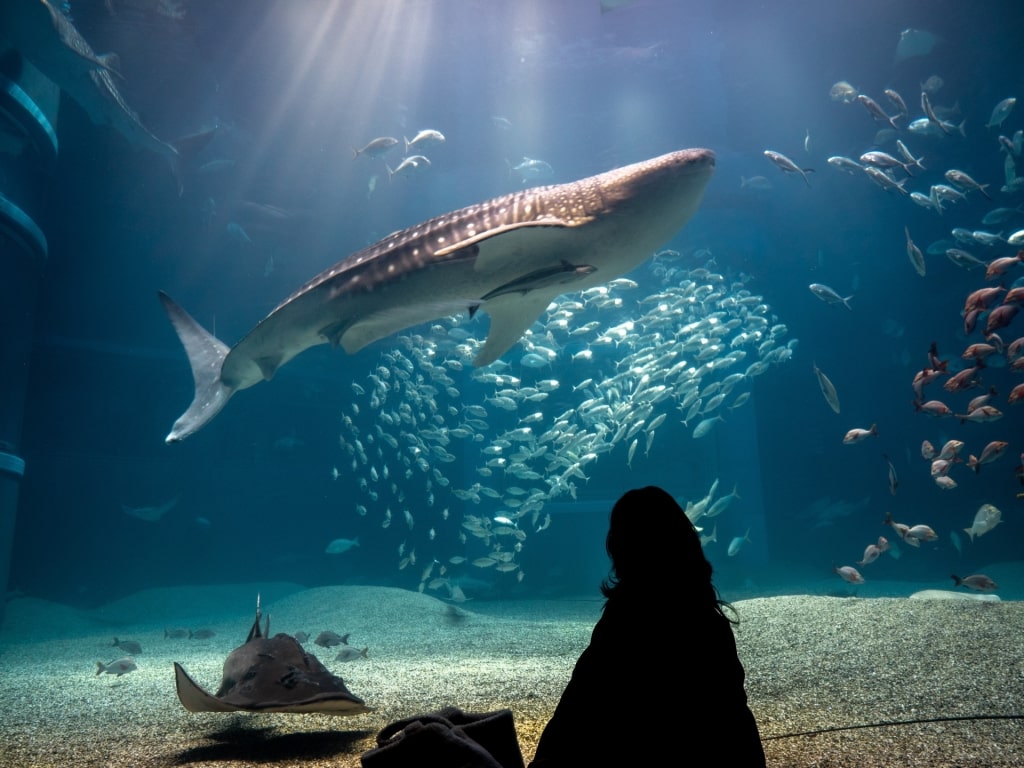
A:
[206,354]
[510,315]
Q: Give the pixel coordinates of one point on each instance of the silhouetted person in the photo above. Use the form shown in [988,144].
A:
[660,682]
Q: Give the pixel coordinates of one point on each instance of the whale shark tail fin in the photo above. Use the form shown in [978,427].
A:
[206,354]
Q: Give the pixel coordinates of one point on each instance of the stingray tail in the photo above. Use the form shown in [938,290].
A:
[206,354]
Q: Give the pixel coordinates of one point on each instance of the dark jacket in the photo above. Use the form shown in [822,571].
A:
[655,682]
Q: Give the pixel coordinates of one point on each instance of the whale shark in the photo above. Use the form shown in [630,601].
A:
[509,256]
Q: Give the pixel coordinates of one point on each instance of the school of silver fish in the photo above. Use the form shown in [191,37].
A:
[671,362]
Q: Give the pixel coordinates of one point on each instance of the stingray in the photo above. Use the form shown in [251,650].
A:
[270,674]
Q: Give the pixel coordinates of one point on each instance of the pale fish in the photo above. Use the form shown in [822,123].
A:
[737,543]
[705,426]
[827,389]
[338,546]
[985,519]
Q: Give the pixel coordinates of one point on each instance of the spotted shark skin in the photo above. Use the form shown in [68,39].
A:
[509,256]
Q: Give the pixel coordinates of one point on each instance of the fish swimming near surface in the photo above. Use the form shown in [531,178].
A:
[520,250]
[48,39]
[270,674]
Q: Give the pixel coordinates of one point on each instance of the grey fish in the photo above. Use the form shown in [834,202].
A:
[827,389]
[787,165]
[131,647]
[117,668]
[200,634]
[328,639]
[349,654]
[612,222]
[150,514]
[376,148]
[829,296]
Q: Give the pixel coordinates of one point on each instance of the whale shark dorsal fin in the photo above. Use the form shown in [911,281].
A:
[510,316]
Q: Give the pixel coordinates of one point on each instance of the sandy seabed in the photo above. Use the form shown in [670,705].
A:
[813,663]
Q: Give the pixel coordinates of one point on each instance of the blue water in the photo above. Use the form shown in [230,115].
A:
[294,87]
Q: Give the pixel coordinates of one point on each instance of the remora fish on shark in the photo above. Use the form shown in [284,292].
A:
[510,256]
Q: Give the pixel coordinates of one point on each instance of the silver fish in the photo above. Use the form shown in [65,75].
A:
[611,222]
[829,296]
[827,389]
[914,254]
[788,166]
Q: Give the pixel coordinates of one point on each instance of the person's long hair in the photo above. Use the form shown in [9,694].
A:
[654,547]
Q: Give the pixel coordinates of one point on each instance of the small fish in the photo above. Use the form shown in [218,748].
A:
[893,479]
[871,553]
[962,180]
[705,426]
[843,92]
[915,42]
[175,633]
[876,111]
[203,633]
[884,180]
[117,668]
[376,148]
[150,514]
[1001,112]
[788,166]
[426,136]
[827,389]
[807,141]
[845,164]
[338,546]
[328,639]
[929,111]
[531,169]
[757,183]
[986,518]
[927,450]
[914,254]
[933,85]
[131,647]
[909,157]
[408,166]
[978,582]
[897,101]
[829,296]
[855,435]
[737,543]
[991,452]
[301,637]
[350,654]
[849,574]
